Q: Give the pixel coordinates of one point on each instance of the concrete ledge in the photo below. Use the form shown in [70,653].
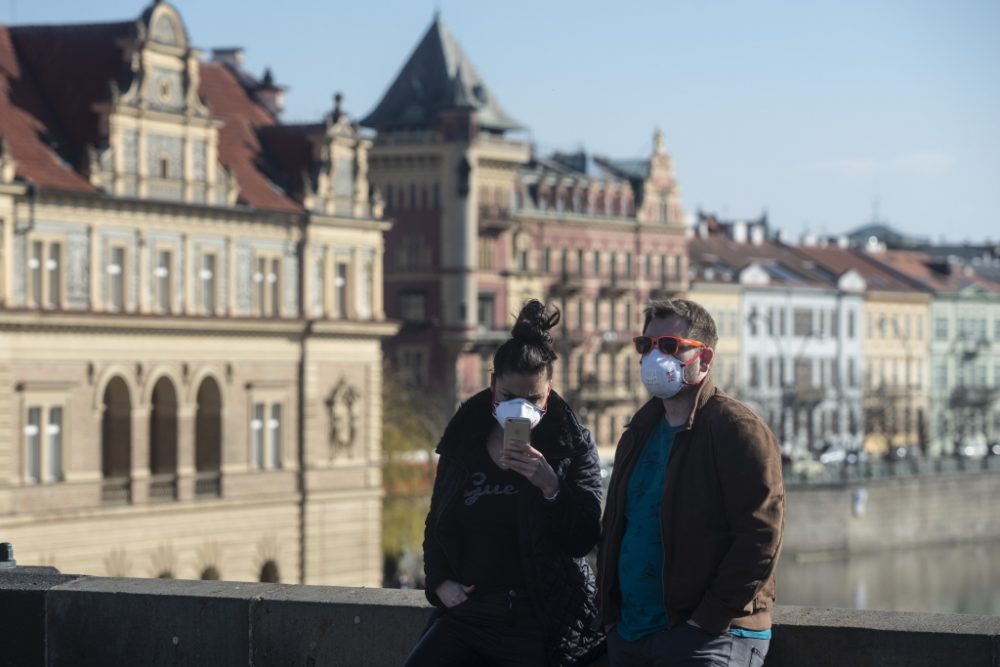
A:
[101,621]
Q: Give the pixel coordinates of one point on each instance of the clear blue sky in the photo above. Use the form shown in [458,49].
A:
[809,109]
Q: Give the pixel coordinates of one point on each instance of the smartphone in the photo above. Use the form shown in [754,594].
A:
[516,428]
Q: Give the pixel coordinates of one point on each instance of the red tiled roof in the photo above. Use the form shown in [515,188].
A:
[783,265]
[51,78]
[73,67]
[840,260]
[240,148]
[288,148]
[935,274]
[24,123]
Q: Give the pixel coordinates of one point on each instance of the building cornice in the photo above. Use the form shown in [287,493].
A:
[34,321]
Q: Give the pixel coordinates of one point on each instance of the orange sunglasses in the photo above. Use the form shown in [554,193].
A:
[665,344]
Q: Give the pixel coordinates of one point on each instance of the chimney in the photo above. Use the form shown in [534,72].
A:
[231,56]
[739,231]
[808,240]
[757,234]
[269,95]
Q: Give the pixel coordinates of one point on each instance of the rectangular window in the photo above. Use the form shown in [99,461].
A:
[597,314]
[941,328]
[257,436]
[649,266]
[413,366]
[261,292]
[597,262]
[413,306]
[782,322]
[207,278]
[116,279]
[579,262]
[53,270]
[754,372]
[33,446]
[564,262]
[850,324]
[164,291]
[340,290]
[579,314]
[486,307]
[628,264]
[802,322]
[613,312]
[55,444]
[35,272]
[629,322]
[613,267]
[274,435]
[366,289]
[835,322]
[663,268]
[547,260]
[677,267]
[274,285]
[852,379]
[752,321]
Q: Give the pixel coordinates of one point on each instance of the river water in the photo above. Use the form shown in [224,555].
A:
[963,579]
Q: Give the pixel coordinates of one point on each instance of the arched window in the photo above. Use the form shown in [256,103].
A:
[208,440]
[269,573]
[163,442]
[116,443]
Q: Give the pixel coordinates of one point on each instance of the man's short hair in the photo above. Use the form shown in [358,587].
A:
[701,326]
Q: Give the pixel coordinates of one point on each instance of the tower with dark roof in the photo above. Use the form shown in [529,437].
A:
[441,160]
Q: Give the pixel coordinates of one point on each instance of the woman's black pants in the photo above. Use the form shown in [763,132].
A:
[496,629]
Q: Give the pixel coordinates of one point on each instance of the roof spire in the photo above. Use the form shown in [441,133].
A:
[659,145]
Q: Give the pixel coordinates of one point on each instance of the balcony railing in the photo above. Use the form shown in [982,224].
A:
[495,217]
[618,286]
[208,484]
[163,487]
[116,490]
[567,285]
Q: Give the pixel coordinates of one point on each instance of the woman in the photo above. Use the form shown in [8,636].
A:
[508,527]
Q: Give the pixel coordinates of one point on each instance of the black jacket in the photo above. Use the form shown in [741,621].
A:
[554,536]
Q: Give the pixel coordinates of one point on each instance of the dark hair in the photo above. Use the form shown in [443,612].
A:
[529,348]
[701,326]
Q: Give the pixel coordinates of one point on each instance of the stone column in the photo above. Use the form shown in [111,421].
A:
[140,454]
[185,452]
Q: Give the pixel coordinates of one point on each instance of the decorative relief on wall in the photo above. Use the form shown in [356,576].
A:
[342,408]
[244,279]
[291,279]
[20,252]
[78,289]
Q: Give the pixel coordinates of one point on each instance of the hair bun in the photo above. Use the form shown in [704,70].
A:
[533,323]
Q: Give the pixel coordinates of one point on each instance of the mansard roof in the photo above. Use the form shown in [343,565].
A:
[240,148]
[54,78]
[437,77]
[27,125]
[72,68]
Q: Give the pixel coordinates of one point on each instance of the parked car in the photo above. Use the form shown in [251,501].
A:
[974,448]
[902,453]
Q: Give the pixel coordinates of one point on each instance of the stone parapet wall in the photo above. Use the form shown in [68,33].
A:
[56,620]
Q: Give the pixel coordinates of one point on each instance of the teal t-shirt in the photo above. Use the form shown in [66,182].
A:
[640,563]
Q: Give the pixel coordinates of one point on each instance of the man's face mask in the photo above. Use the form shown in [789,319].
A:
[663,374]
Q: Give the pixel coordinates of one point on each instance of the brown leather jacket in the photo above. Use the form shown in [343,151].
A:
[722,515]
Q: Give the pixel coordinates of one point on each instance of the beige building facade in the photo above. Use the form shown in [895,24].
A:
[190,360]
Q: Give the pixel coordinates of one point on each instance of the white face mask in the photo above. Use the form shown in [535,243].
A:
[518,407]
[663,374]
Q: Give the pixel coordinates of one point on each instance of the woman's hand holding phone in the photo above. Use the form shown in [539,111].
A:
[522,458]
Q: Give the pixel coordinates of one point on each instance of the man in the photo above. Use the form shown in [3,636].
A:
[692,527]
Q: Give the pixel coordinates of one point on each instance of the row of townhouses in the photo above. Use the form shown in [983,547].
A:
[199,301]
